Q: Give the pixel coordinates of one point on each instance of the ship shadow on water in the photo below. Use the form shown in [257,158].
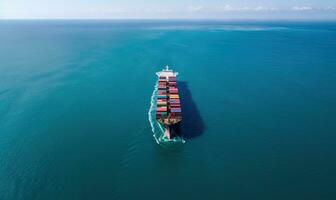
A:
[192,124]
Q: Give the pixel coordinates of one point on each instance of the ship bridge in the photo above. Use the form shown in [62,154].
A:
[166,73]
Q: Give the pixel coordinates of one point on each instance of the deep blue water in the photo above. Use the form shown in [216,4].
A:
[259,117]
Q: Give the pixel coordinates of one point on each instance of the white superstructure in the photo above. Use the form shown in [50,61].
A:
[166,72]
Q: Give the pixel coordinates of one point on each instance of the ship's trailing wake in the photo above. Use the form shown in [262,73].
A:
[152,110]
[158,129]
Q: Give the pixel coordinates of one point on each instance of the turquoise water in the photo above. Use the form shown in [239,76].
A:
[258,104]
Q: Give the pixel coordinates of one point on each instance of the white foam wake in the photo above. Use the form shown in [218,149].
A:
[151,110]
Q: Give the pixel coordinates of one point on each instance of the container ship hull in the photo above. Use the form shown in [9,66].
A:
[168,106]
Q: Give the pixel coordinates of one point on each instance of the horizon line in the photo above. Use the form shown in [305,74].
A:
[167,19]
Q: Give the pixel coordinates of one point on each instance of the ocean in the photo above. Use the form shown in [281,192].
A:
[258,103]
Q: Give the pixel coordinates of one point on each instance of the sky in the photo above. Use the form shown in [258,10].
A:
[169,9]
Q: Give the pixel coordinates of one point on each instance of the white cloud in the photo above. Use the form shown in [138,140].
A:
[227,8]
[330,8]
[259,8]
[262,8]
[194,8]
[246,8]
[302,8]
[308,8]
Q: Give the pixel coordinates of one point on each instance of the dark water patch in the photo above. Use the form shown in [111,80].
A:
[192,123]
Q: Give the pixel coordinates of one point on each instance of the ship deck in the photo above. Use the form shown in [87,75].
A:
[168,111]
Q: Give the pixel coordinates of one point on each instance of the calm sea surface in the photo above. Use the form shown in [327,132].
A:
[259,102]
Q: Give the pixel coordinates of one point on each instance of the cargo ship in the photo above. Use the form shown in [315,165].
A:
[168,106]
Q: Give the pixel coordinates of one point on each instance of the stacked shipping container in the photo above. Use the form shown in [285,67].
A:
[168,101]
[161,103]
[174,99]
